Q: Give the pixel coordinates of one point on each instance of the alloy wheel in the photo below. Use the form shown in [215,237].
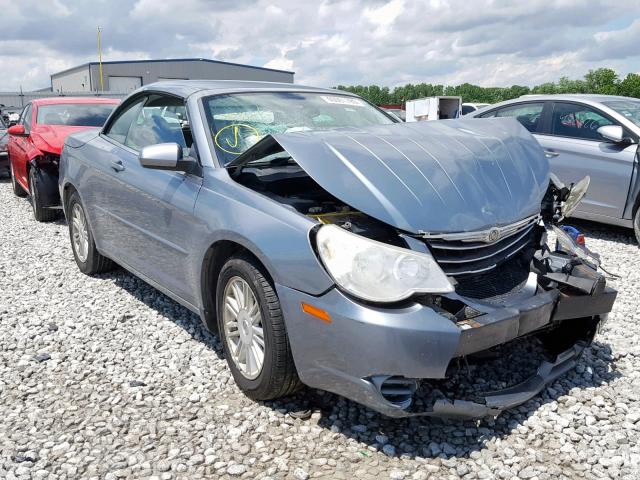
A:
[80,233]
[243,327]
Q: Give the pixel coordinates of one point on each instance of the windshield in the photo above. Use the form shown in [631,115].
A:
[238,121]
[630,109]
[78,115]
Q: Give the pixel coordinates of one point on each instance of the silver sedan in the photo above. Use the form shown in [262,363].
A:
[595,135]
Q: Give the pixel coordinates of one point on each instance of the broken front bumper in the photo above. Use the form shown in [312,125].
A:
[374,355]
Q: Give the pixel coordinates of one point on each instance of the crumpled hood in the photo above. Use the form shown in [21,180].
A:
[441,176]
[48,138]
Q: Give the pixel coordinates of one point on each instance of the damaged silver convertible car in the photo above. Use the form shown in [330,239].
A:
[332,247]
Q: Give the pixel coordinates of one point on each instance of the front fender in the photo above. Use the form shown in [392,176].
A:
[277,236]
[31,152]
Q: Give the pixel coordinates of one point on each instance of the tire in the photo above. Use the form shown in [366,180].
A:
[636,225]
[41,213]
[18,191]
[277,376]
[87,257]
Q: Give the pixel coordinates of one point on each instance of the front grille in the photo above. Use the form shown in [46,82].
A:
[484,269]
[498,281]
[462,257]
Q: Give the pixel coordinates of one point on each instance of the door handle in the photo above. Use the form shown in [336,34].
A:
[117,165]
[550,153]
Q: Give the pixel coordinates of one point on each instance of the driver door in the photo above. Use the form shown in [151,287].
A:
[148,214]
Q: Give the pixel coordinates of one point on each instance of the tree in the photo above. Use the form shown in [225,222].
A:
[630,86]
[602,81]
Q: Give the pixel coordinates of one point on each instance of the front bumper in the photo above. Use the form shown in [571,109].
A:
[365,345]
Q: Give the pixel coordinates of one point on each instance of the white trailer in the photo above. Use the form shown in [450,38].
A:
[433,108]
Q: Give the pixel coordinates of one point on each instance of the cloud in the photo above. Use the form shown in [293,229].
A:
[331,42]
[616,44]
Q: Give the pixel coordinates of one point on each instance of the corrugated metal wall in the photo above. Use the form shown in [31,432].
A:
[13,100]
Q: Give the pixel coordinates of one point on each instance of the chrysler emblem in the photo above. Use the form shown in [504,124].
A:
[493,235]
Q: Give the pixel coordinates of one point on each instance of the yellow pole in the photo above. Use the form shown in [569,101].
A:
[100,61]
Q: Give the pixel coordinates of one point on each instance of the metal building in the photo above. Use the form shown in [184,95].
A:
[125,76]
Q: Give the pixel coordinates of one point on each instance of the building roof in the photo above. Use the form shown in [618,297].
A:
[185,88]
[170,60]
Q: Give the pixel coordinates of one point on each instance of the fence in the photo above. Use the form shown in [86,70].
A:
[17,100]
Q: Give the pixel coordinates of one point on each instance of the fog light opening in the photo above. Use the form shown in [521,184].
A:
[395,389]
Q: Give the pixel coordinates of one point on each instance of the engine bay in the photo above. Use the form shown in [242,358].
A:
[290,185]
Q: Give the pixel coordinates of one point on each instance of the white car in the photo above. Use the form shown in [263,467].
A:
[472,107]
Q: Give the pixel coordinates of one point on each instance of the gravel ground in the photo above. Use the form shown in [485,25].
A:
[107,378]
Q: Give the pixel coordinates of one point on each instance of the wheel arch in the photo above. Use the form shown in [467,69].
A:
[67,191]
[214,259]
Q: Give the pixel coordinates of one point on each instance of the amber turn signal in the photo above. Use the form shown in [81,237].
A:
[316,312]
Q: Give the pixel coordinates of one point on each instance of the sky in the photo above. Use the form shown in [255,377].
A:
[330,42]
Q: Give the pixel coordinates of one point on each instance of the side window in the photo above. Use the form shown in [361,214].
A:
[162,119]
[120,126]
[577,121]
[528,114]
[467,109]
[25,118]
[490,114]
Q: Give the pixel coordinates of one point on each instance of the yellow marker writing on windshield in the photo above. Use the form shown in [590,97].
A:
[228,139]
[235,138]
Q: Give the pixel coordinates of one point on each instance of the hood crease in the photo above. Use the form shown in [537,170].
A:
[473,174]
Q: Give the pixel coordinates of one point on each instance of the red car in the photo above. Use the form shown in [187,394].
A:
[36,141]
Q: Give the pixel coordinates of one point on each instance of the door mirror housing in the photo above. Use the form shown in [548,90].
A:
[17,130]
[613,133]
[166,156]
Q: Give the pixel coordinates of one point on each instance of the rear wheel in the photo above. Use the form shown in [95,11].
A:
[87,257]
[17,189]
[41,213]
[636,225]
[253,331]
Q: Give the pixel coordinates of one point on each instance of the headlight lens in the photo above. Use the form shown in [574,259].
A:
[376,271]
[576,194]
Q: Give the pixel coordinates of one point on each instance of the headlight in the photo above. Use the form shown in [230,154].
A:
[376,271]
[576,194]
[568,245]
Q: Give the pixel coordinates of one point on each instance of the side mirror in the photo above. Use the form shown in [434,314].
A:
[613,133]
[166,156]
[17,130]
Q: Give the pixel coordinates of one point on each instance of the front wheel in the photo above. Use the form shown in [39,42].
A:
[253,332]
[40,212]
[87,257]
